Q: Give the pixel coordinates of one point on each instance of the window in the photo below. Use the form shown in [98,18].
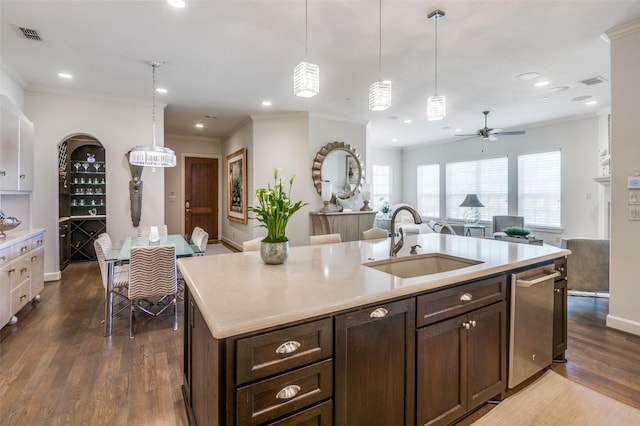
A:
[539,184]
[487,178]
[428,187]
[380,186]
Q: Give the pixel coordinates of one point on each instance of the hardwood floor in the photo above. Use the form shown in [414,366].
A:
[56,368]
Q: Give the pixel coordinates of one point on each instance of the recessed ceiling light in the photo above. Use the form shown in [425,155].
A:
[527,76]
[541,83]
[458,130]
[591,103]
[266,103]
[161,90]
[65,75]
[408,121]
[178,3]
[581,98]
[558,89]
[199,125]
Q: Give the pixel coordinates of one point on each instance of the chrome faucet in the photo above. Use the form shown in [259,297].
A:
[394,247]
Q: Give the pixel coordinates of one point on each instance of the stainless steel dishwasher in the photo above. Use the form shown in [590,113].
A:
[531,332]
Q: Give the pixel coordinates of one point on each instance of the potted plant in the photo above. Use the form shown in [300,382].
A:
[273,211]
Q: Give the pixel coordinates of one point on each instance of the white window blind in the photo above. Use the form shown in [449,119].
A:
[380,185]
[428,188]
[488,179]
[539,189]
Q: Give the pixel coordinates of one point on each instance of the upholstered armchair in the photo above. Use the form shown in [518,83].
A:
[588,264]
[502,222]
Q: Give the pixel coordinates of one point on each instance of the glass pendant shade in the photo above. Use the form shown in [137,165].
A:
[306,80]
[436,108]
[380,96]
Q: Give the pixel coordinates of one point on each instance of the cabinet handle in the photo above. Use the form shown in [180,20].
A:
[288,392]
[466,297]
[465,325]
[23,176]
[12,270]
[288,347]
[23,249]
[379,313]
[3,258]
[473,323]
[557,290]
[34,258]
[23,270]
[24,296]
[3,173]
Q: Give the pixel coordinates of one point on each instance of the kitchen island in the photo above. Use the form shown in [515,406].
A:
[323,337]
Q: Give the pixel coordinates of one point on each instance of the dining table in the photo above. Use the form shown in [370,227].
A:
[121,253]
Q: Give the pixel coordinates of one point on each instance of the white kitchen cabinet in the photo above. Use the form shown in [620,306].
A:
[16,148]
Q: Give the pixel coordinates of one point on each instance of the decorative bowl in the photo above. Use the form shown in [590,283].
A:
[7,224]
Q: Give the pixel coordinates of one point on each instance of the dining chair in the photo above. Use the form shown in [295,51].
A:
[199,240]
[325,239]
[252,245]
[102,246]
[375,233]
[152,273]
[144,231]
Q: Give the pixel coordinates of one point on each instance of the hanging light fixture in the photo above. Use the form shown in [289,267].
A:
[380,91]
[153,156]
[306,76]
[436,106]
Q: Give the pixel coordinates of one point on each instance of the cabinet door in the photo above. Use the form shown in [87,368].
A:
[486,353]
[25,173]
[37,271]
[9,145]
[5,293]
[559,319]
[441,372]
[375,365]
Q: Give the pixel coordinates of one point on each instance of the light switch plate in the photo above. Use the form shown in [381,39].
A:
[633,183]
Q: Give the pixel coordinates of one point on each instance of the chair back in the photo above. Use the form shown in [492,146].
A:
[325,239]
[502,222]
[375,233]
[201,242]
[252,245]
[152,271]
[102,245]
[144,231]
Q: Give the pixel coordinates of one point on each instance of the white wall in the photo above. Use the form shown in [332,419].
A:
[625,242]
[11,88]
[118,126]
[577,138]
[174,177]
[381,156]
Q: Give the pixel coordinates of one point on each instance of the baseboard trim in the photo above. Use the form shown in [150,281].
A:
[53,276]
[231,243]
[623,324]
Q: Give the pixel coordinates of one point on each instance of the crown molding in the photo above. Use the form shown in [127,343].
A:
[624,30]
[94,97]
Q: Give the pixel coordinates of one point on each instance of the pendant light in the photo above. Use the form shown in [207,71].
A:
[153,156]
[380,91]
[436,106]
[306,76]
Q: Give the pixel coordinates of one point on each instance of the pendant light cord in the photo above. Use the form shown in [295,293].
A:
[380,40]
[153,115]
[306,31]
[436,61]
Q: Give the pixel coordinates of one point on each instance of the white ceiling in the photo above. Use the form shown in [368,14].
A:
[223,58]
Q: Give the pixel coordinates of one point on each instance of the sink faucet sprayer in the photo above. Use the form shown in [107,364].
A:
[394,247]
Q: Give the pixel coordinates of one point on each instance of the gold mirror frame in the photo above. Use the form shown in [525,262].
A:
[316,169]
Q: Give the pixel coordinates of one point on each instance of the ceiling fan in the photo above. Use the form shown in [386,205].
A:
[489,133]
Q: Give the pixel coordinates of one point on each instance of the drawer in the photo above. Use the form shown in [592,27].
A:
[21,248]
[19,296]
[281,350]
[36,242]
[21,270]
[320,415]
[458,300]
[5,255]
[275,397]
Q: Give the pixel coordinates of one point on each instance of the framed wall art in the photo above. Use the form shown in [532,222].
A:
[237,186]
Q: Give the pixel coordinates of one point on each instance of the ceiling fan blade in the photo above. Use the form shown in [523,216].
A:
[468,137]
[515,132]
[492,138]
[473,134]
[493,131]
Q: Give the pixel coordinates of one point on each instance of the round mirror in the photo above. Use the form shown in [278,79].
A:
[340,164]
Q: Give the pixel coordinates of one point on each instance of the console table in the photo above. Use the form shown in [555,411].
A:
[349,225]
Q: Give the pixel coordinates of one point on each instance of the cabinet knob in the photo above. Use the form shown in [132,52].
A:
[288,392]
[288,347]
[473,323]
[34,258]
[466,297]
[557,290]
[379,313]
[465,325]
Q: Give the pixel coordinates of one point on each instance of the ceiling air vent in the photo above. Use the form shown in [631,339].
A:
[30,34]
[594,80]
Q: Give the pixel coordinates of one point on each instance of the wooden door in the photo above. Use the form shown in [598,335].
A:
[201,195]
[375,365]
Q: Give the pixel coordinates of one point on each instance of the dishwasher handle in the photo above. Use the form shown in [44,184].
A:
[529,283]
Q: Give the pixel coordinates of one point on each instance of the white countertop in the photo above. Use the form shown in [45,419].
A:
[237,293]
[15,236]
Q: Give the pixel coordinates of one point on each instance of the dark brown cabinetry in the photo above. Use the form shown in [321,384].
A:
[374,357]
[560,311]
[461,350]
[63,235]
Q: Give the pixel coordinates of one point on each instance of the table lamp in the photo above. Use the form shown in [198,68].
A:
[471,216]
[326,196]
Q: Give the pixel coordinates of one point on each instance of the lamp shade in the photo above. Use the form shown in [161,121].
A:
[326,191]
[306,80]
[436,108]
[380,96]
[471,200]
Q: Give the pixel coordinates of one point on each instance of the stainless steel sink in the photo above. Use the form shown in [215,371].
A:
[419,265]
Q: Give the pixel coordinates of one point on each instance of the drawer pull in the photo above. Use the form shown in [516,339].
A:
[473,323]
[288,347]
[23,270]
[2,258]
[288,392]
[379,313]
[466,297]
[34,258]
[465,325]
[24,296]
[557,290]
[12,270]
